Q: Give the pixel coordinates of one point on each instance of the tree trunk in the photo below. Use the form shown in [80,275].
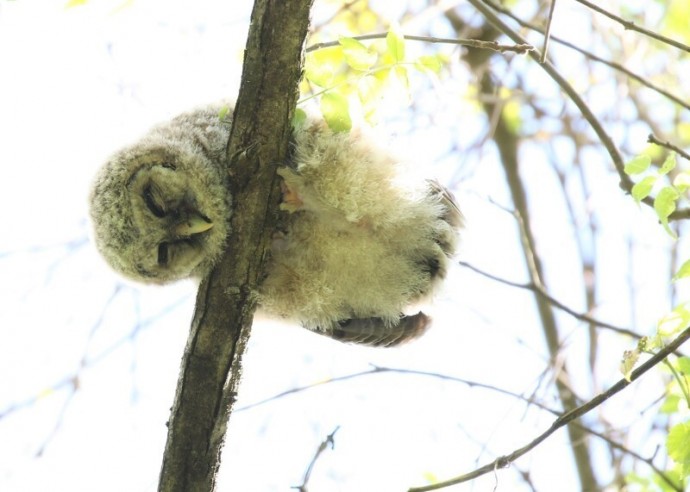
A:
[211,365]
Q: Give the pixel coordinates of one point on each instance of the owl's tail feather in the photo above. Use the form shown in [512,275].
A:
[376,332]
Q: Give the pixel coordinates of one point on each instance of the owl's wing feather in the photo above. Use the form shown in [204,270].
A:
[376,332]
[453,215]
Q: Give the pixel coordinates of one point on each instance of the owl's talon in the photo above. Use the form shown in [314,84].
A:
[292,201]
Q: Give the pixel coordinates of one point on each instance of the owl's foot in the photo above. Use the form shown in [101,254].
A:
[292,201]
[279,241]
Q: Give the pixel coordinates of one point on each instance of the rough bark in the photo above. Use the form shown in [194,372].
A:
[211,365]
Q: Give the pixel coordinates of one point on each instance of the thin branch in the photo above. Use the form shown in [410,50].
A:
[587,113]
[568,417]
[384,370]
[521,48]
[681,213]
[625,182]
[71,381]
[547,33]
[472,384]
[634,27]
[507,143]
[654,140]
[616,66]
[648,461]
[329,441]
[531,286]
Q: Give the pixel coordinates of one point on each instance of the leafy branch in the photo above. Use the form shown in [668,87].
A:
[625,182]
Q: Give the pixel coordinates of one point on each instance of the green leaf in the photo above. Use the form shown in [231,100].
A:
[670,404]
[223,113]
[682,181]
[628,363]
[357,56]
[321,75]
[298,118]
[638,165]
[674,321]
[669,164]
[395,44]
[336,111]
[684,365]
[641,190]
[634,478]
[322,66]
[430,477]
[401,75]
[683,271]
[428,63]
[369,89]
[665,205]
[678,445]
[512,115]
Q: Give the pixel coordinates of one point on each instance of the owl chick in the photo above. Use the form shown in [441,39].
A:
[357,248]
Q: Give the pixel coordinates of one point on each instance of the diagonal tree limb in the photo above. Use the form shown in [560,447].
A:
[211,365]
[565,419]
[472,384]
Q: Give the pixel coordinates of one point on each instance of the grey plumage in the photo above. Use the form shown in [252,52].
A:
[359,245]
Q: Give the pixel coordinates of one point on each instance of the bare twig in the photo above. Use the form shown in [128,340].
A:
[634,27]
[71,381]
[616,66]
[654,140]
[554,302]
[547,33]
[472,384]
[567,418]
[625,182]
[521,48]
[587,113]
[384,370]
[322,447]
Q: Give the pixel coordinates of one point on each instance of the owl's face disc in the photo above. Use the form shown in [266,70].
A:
[174,228]
[160,215]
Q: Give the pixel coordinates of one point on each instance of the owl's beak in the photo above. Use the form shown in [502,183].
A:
[194,224]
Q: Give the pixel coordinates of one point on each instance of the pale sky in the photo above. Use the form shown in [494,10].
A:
[77,83]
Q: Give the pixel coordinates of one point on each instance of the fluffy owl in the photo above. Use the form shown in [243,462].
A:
[358,248]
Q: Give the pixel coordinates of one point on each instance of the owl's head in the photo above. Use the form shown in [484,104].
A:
[160,208]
